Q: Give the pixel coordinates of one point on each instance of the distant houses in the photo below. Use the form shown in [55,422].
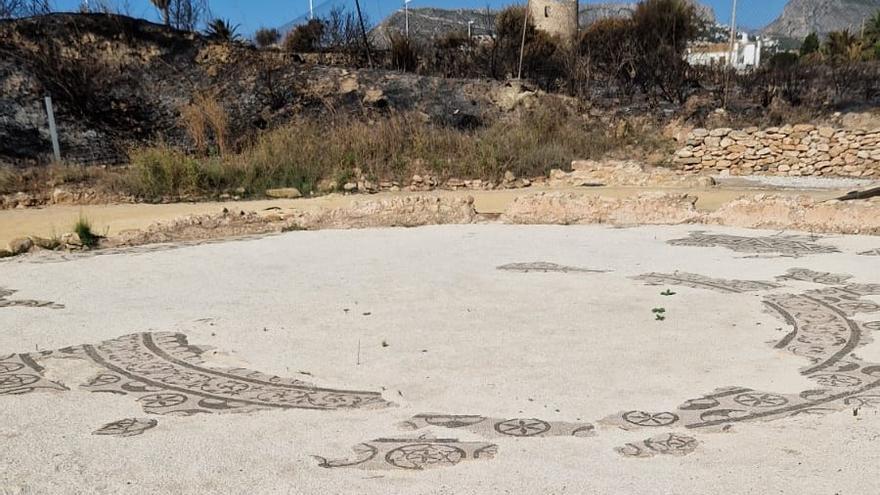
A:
[743,55]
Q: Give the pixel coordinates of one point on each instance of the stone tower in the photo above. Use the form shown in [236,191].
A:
[556,17]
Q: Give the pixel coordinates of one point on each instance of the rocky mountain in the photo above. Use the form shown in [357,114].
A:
[802,17]
[592,12]
[430,23]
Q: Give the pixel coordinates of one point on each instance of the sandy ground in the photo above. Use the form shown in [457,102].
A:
[425,317]
[112,219]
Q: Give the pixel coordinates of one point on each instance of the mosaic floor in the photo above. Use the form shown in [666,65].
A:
[826,325]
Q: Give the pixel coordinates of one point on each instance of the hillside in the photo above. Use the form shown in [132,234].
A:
[802,17]
[119,82]
[430,23]
[592,12]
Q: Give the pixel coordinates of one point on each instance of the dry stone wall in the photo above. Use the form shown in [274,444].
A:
[793,150]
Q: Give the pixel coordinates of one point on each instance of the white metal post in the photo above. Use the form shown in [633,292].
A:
[406,15]
[733,53]
[53,130]
[311,10]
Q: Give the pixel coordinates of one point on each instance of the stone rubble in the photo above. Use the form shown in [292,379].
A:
[800,213]
[404,211]
[587,173]
[567,208]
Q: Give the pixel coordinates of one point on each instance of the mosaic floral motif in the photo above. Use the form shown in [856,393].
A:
[21,374]
[128,427]
[499,427]
[823,332]
[5,302]
[413,454]
[666,444]
[166,375]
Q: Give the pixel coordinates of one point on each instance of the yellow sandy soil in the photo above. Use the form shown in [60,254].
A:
[112,219]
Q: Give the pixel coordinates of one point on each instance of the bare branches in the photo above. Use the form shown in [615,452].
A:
[23,8]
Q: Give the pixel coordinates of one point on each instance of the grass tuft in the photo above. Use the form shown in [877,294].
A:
[83,228]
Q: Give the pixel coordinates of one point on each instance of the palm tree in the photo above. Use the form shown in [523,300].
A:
[222,30]
[163,6]
[872,34]
[842,46]
[872,28]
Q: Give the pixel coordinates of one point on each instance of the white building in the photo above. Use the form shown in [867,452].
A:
[745,54]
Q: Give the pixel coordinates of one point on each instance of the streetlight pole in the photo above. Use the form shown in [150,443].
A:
[733,54]
[406,15]
[311,10]
[470,23]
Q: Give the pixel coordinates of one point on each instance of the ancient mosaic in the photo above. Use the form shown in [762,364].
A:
[166,375]
[665,444]
[791,245]
[544,267]
[824,332]
[411,454]
[499,427]
[5,302]
[695,281]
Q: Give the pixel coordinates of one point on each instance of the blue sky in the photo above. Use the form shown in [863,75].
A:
[252,14]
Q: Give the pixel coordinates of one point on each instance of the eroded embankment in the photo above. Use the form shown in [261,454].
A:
[796,213]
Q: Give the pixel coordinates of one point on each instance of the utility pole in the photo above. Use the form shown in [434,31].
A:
[522,46]
[311,10]
[357,4]
[733,54]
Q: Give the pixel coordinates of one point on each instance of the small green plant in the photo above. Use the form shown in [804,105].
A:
[83,228]
[667,292]
[659,313]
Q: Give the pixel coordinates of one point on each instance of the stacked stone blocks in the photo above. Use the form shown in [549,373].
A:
[793,150]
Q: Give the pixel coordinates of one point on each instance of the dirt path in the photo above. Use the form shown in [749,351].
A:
[112,219]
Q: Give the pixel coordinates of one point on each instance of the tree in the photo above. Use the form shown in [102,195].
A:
[404,54]
[188,14]
[341,30]
[163,6]
[306,37]
[810,44]
[539,48]
[182,14]
[608,49]
[222,30]
[266,37]
[842,47]
[662,30]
